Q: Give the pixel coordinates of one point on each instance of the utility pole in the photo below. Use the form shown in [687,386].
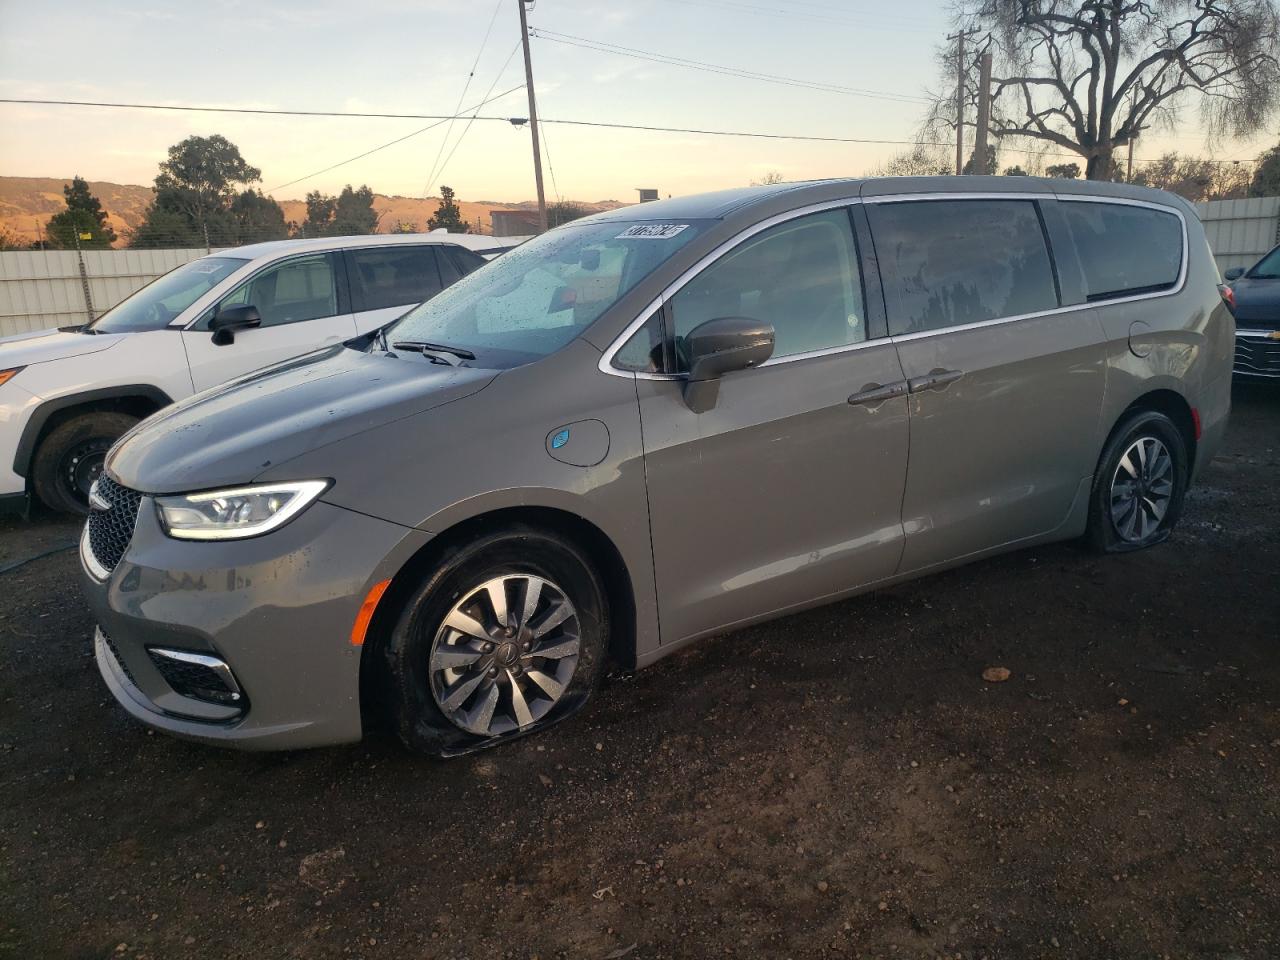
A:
[1128,176]
[533,117]
[959,39]
[984,114]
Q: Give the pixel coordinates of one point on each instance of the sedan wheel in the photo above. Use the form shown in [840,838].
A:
[504,655]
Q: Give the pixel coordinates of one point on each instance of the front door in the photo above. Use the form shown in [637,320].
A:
[1005,395]
[301,311]
[784,492]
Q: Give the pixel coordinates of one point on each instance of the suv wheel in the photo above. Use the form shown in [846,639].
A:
[507,636]
[70,458]
[1140,484]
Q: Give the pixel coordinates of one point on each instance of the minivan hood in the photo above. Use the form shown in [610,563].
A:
[53,344]
[231,434]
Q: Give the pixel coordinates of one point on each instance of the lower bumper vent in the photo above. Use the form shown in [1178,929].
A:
[198,676]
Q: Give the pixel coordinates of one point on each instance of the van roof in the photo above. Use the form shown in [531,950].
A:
[721,204]
[273,248]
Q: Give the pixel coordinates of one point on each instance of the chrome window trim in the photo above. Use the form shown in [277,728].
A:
[605,364]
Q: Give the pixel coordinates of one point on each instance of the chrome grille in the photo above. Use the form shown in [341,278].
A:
[1257,356]
[113,512]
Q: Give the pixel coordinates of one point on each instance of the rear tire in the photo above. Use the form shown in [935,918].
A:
[460,680]
[71,456]
[1140,484]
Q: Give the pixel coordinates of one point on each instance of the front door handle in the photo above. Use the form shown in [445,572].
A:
[874,393]
[936,379]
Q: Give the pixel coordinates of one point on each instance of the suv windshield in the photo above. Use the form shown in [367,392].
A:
[1268,268]
[534,299]
[157,304]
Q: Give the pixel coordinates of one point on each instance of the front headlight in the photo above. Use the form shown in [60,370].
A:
[236,514]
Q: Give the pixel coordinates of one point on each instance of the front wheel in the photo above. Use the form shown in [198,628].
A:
[1140,484]
[70,458]
[507,636]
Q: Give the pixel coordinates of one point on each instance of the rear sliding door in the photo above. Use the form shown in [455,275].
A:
[1005,386]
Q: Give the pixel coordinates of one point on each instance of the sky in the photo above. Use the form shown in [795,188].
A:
[415,56]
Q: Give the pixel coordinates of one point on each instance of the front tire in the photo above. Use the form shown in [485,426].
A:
[507,636]
[1140,484]
[70,458]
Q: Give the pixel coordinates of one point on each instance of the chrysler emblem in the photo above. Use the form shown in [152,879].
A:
[96,500]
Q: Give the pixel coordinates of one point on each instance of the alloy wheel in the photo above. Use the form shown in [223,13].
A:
[1141,489]
[505,654]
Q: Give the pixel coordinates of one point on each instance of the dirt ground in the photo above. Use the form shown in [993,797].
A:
[838,783]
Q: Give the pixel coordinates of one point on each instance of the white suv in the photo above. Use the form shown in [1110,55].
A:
[67,395]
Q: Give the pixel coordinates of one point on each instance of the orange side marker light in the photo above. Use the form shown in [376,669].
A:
[363,618]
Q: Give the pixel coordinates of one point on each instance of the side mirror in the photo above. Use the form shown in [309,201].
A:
[226,322]
[721,346]
[1235,273]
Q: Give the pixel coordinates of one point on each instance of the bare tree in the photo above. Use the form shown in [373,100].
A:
[771,177]
[1090,76]
[922,160]
[1195,178]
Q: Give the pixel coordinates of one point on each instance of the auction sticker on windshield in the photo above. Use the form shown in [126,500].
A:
[651,231]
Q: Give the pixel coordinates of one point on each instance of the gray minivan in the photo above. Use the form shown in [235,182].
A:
[648,426]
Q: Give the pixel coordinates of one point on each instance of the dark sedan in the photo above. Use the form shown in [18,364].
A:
[1255,294]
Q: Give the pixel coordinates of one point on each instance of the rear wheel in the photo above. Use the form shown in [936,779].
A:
[506,636]
[70,458]
[1140,484]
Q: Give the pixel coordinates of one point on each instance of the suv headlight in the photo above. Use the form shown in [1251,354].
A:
[237,513]
[7,375]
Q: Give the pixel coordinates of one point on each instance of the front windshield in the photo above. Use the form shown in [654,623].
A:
[533,300]
[157,304]
[1268,268]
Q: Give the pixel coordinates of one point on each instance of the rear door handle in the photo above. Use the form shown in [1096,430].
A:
[874,393]
[936,379]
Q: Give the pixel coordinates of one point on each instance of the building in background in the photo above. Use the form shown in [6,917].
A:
[647,194]
[514,223]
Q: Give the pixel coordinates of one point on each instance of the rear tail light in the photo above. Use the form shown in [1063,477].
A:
[1228,297]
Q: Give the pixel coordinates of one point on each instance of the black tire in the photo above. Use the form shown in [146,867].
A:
[406,658]
[70,458]
[1106,533]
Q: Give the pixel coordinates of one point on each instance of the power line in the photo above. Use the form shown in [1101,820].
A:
[602,46]
[518,121]
[254,110]
[462,96]
[392,143]
[470,120]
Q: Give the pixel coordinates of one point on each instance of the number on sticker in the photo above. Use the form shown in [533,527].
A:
[651,231]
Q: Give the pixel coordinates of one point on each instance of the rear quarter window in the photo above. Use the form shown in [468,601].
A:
[1124,250]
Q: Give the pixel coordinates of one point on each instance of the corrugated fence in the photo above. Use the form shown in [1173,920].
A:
[1240,231]
[46,288]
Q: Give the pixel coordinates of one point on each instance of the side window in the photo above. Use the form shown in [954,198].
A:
[800,276]
[945,263]
[391,276]
[460,262]
[1124,250]
[642,352]
[295,290]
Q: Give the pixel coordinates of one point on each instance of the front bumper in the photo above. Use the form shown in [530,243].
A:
[1257,355]
[277,610]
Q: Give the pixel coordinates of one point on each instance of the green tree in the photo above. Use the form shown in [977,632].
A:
[83,218]
[565,211]
[257,218]
[1195,178]
[1063,171]
[1266,178]
[991,166]
[405,226]
[198,200]
[1014,171]
[447,215]
[9,241]
[350,213]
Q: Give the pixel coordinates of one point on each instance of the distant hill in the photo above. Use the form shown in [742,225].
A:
[27,203]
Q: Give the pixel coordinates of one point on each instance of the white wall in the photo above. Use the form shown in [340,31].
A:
[1240,231]
[43,288]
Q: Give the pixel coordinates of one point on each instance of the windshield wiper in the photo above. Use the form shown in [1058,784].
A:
[423,347]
